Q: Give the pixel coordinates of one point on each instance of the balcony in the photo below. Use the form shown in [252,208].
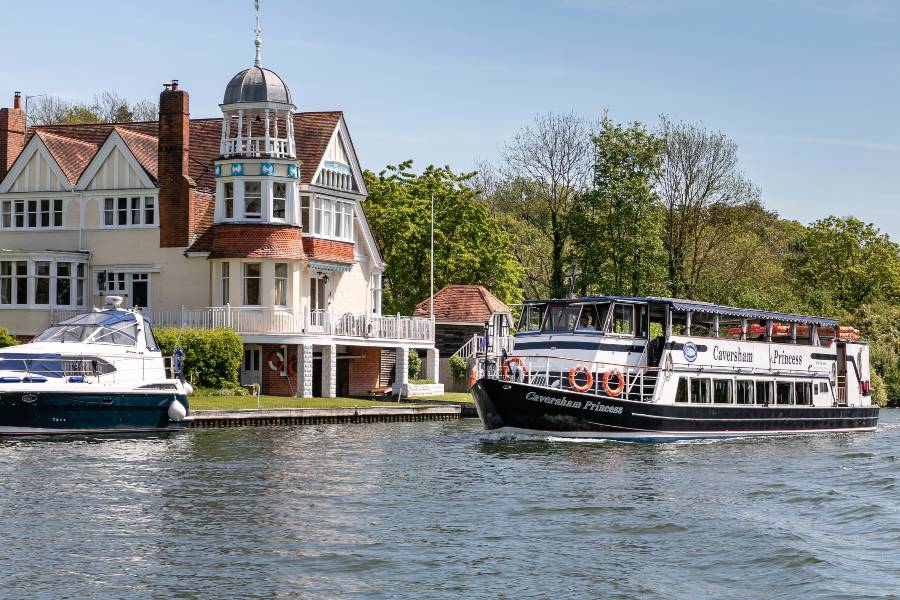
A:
[257,147]
[284,321]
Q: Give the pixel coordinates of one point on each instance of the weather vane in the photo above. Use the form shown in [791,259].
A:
[258,61]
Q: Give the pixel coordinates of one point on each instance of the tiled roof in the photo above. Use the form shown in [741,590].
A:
[462,304]
[312,132]
[328,250]
[256,241]
[144,147]
[71,155]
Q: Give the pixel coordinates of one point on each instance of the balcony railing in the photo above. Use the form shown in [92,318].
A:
[262,321]
[257,147]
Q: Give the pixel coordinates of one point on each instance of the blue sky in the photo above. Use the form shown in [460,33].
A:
[809,89]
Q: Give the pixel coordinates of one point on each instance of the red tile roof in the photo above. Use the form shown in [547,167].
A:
[71,155]
[329,250]
[462,304]
[312,132]
[242,240]
[144,147]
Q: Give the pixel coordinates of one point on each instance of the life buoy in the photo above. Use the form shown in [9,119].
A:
[272,358]
[292,367]
[472,377]
[589,378]
[518,374]
[620,383]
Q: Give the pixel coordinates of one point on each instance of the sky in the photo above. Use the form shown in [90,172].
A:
[809,89]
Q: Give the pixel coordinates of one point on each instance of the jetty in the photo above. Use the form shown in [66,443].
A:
[205,419]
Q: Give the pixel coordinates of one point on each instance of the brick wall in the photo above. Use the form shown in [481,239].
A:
[176,188]
[365,372]
[273,383]
[12,135]
[319,249]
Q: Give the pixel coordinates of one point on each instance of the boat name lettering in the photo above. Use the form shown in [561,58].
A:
[783,358]
[732,355]
[535,397]
[596,406]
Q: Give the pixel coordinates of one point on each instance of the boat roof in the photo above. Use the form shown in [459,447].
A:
[103,317]
[704,307]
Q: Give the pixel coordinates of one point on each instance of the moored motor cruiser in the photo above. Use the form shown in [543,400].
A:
[97,372]
[662,368]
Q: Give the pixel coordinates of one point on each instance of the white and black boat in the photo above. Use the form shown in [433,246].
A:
[97,372]
[665,369]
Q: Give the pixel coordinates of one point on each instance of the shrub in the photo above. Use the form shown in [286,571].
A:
[212,357]
[458,366]
[6,339]
[879,393]
[414,364]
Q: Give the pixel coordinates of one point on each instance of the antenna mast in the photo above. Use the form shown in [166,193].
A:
[258,42]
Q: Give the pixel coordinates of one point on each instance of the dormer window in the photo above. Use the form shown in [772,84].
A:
[252,200]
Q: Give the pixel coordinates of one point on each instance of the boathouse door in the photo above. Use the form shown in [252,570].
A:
[841,373]
[251,366]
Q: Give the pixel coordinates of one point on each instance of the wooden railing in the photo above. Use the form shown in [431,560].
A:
[252,320]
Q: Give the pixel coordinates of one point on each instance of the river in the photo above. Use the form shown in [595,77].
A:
[443,510]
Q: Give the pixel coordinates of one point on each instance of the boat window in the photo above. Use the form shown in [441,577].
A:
[804,334]
[562,317]
[623,319]
[681,390]
[532,317]
[744,388]
[756,329]
[823,387]
[781,332]
[826,336]
[722,391]
[729,328]
[679,322]
[593,317]
[702,324]
[107,327]
[150,340]
[803,393]
[763,392]
[783,392]
[700,391]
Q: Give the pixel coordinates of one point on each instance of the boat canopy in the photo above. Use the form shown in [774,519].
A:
[703,307]
[117,327]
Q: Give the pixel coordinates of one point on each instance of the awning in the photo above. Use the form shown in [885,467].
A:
[337,267]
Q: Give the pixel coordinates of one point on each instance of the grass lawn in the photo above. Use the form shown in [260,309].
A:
[243,402]
[449,397]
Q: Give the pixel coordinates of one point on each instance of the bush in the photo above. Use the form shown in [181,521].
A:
[6,339]
[414,364]
[458,366]
[212,357]
[879,393]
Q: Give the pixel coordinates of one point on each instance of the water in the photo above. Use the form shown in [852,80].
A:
[442,510]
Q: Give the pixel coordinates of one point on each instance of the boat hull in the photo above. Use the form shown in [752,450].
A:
[66,413]
[520,408]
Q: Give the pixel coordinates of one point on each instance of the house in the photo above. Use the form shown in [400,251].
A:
[460,315]
[253,220]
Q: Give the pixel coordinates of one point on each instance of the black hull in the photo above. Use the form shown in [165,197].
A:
[521,408]
[60,413]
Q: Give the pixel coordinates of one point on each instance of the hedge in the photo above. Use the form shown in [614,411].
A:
[212,357]
[6,339]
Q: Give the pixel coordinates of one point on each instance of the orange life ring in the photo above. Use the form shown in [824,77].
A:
[620,386]
[272,358]
[471,377]
[292,367]
[588,382]
[514,359]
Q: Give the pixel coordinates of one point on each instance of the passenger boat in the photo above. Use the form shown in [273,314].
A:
[97,372]
[666,369]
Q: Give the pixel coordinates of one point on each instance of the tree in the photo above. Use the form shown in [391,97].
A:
[470,247]
[706,199]
[543,170]
[843,263]
[106,107]
[617,227]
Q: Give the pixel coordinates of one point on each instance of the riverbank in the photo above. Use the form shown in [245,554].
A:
[208,402]
[204,419]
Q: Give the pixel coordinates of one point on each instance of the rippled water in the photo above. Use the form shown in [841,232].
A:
[425,510]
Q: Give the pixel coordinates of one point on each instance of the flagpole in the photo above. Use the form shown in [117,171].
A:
[432,264]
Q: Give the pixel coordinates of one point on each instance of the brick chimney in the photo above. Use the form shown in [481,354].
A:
[12,134]
[176,188]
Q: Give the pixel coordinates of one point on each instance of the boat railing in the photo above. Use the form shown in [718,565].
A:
[84,368]
[607,379]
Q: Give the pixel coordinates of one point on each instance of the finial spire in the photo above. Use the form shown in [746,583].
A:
[258,61]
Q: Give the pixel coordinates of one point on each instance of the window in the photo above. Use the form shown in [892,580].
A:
[722,391]
[562,317]
[251,359]
[803,393]
[251,284]
[304,214]
[42,282]
[228,199]
[623,319]
[744,389]
[376,293]
[252,200]
[317,215]
[730,328]
[700,391]
[281,284]
[681,391]
[338,219]
[63,283]
[129,211]
[110,282]
[279,200]
[80,277]
[326,217]
[31,214]
[783,392]
[226,282]
[317,294]
[763,392]
[702,324]
[152,346]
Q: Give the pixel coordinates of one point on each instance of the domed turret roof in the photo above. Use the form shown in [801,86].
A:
[257,84]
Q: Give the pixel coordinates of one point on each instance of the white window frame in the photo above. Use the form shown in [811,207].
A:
[140,205]
[376,292]
[281,285]
[245,278]
[284,200]
[225,283]
[77,281]
[22,207]
[257,217]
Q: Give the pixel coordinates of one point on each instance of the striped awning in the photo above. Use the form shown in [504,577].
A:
[337,267]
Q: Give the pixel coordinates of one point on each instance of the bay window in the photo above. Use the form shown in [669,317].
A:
[252,200]
[252,273]
[331,218]
[226,283]
[281,284]
[63,283]
[304,214]
[279,200]
[42,282]
[228,199]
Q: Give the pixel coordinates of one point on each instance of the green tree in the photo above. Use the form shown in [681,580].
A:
[6,339]
[470,247]
[617,227]
[843,263]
